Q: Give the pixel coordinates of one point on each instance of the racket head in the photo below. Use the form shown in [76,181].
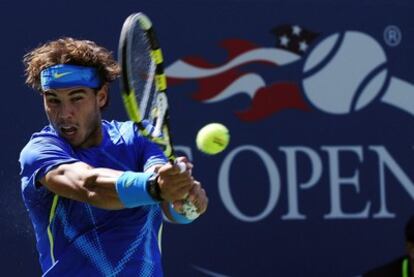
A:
[143,82]
[137,66]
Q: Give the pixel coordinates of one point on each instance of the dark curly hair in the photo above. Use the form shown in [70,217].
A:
[68,50]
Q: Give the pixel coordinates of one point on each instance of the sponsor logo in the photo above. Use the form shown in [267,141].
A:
[338,74]
[60,75]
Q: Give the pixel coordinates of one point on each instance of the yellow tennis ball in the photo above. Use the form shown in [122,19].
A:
[213,138]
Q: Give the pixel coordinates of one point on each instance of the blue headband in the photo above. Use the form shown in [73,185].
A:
[67,75]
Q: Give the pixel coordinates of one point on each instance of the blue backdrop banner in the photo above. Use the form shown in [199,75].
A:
[318,97]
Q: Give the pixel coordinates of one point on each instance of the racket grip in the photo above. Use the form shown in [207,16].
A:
[182,166]
[190,210]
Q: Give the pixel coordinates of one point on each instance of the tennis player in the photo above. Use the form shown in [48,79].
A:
[96,190]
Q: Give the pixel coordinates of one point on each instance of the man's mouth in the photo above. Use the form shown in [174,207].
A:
[68,131]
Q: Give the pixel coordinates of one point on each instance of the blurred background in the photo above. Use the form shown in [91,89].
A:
[318,97]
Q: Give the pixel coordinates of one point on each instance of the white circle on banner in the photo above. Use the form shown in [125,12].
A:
[334,85]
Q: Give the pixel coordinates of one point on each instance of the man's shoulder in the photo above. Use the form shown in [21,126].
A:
[117,125]
[117,129]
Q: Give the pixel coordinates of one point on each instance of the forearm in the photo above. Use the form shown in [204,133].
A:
[102,191]
[81,182]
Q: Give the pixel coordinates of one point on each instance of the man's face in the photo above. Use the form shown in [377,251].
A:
[75,114]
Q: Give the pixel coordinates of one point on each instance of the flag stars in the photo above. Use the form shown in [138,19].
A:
[284,40]
[293,38]
[296,30]
[303,46]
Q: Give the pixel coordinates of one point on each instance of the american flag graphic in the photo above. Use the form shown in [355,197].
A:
[219,82]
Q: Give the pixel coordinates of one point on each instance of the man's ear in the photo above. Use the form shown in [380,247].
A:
[102,95]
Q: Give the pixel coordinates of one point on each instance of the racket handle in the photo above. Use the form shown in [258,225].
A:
[189,209]
[182,166]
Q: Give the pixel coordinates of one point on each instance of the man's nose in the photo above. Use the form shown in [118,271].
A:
[66,111]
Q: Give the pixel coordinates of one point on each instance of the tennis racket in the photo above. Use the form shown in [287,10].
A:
[144,87]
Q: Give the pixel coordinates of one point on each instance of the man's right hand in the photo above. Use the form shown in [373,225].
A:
[175,185]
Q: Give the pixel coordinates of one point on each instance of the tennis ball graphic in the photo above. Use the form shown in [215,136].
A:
[344,75]
[213,138]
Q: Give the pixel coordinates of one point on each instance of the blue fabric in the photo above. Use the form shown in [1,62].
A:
[89,241]
[67,75]
[179,218]
[132,189]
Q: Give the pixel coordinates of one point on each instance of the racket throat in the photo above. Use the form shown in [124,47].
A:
[161,108]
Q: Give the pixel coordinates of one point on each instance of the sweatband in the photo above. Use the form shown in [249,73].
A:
[177,217]
[132,189]
[68,75]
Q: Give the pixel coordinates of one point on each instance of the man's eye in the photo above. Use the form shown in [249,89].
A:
[53,101]
[76,99]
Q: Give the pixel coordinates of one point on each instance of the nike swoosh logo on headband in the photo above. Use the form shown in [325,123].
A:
[60,75]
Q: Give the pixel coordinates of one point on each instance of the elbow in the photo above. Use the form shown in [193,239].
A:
[78,182]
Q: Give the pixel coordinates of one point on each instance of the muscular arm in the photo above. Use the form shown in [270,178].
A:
[81,182]
[97,186]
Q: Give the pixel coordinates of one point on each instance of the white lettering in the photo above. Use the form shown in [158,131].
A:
[292,177]
[386,161]
[224,183]
[336,181]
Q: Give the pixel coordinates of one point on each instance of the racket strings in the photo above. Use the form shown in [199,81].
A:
[142,67]
[144,62]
